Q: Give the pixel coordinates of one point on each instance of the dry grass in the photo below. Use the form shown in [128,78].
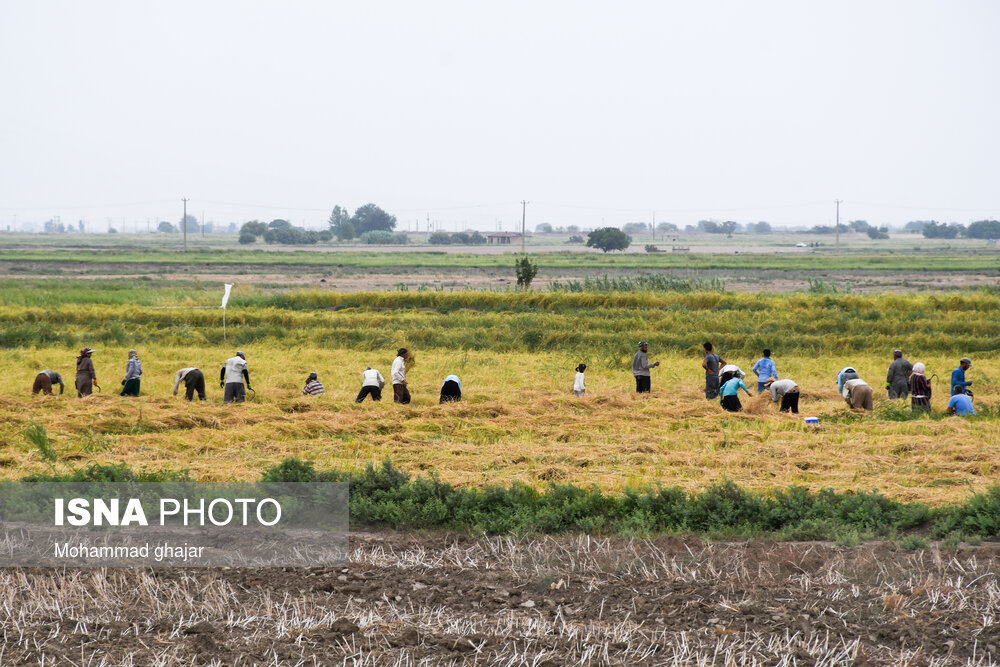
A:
[406,601]
[519,421]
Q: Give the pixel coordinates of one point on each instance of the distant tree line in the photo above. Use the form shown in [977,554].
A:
[458,238]
[980,229]
[368,218]
[280,231]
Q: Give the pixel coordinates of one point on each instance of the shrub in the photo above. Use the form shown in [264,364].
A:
[382,237]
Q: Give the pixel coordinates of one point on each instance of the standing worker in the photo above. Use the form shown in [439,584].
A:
[920,389]
[788,391]
[711,363]
[371,385]
[133,369]
[858,394]
[194,381]
[765,370]
[640,368]
[897,379]
[730,391]
[958,383]
[86,377]
[44,382]
[231,378]
[579,386]
[313,386]
[451,389]
[400,392]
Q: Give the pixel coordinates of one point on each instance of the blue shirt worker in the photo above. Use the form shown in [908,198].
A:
[846,373]
[958,383]
[731,394]
[765,370]
[961,405]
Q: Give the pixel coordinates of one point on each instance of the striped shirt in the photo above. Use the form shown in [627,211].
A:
[313,388]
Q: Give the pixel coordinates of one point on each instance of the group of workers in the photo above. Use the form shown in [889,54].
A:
[234,380]
[722,380]
[903,379]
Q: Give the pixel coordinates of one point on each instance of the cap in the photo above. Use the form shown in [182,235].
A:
[241,355]
[313,376]
[401,351]
[642,343]
[965,360]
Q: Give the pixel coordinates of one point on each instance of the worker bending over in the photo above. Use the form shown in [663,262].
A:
[194,381]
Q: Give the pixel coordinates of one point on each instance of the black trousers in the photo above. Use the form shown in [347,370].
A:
[732,403]
[790,401]
[450,391]
[194,381]
[642,384]
[369,390]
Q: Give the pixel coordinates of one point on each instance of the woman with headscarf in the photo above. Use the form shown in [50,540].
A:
[920,389]
[86,377]
[451,389]
[130,383]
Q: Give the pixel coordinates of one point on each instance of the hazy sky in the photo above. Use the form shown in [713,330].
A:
[591,111]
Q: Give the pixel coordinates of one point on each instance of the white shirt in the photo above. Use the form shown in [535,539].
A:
[372,378]
[578,383]
[781,387]
[398,372]
[234,369]
[851,384]
[181,374]
[732,368]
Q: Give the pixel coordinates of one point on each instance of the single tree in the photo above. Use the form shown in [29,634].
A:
[370,218]
[525,270]
[166,228]
[246,238]
[439,238]
[543,228]
[608,238]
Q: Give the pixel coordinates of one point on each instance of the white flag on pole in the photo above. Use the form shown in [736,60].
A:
[225,297]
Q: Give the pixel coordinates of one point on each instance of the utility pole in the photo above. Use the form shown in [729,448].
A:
[524,208]
[837,202]
[202,223]
[184,223]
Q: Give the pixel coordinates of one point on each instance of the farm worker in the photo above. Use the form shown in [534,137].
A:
[920,389]
[194,381]
[858,394]
[961,405]
[764,369]
[451,389]
[788,391]
[313,386]
[86,377]
[958,383]
[845,374]
[897,379]
[133,369]
[640,368]
[578,383]
[731,394]
[233,373]
[730,371]
[371,385]
[711,364]
[400,393]
[44,382]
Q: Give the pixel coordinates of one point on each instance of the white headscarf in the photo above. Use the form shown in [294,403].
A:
[918,368]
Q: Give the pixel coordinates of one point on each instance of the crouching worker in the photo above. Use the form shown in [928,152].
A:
[787,391]
[44,382]
[313,386]
[194,381]
[371,385]
[730,391]
[451,389]
[858,394]
[231,378]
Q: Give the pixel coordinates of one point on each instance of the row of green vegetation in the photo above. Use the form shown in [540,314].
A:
[599,323]
[385,496]
[981,259]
